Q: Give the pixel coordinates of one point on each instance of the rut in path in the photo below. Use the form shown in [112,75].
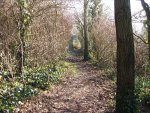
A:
[90,91]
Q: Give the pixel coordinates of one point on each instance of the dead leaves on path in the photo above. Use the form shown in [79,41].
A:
[88,92]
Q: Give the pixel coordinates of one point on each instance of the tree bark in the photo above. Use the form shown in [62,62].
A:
[147,11]
[21,50]
[125,100]
[23,28]
[86,48]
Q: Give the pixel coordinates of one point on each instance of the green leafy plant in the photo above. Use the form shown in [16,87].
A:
[11,97]
[43,77]
[142,91]
[111,73]
[36,79]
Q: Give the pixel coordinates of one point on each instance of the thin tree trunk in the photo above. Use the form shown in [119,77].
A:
[20,54]
[86,48]
[148,30]
[23,28]
[125,100]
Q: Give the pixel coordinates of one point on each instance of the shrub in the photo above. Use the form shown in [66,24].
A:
[142,91]
[12,93]
[13,96]
[43,77]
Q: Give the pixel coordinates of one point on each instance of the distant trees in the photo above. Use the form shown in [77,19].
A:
[125,100]
[99,34]
[147,11]
[92,10]
[95,11]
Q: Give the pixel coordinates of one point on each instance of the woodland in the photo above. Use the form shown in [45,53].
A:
[54,59]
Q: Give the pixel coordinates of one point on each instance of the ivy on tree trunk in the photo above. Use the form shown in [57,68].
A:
[23,29]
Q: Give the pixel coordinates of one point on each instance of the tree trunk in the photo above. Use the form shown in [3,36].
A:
[147,11]
[125,100]
[86,48]
[23,28]
[148,30]
[20,53]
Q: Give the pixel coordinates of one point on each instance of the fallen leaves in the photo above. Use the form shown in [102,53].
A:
[89,92]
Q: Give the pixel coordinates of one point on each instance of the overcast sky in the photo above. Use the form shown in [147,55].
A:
[135,7]
[109,7]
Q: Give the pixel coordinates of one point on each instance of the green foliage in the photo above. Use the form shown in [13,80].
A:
[13,93]
[143,90]
[110,73]
[40,78]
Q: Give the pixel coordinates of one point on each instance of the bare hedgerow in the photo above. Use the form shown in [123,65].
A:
[47,36]
[50,31]
[8,35]
[104,33]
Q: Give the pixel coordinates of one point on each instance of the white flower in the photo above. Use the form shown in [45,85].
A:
[20,103]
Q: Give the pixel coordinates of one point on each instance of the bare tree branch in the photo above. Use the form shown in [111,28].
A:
[140,38]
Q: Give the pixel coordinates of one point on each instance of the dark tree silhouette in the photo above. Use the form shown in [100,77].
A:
[125,101]
[86,48]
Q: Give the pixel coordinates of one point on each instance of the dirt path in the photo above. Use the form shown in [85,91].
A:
[88,92]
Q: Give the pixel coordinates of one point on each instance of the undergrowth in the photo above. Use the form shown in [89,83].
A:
[142,87]
[142,91]
[12,93]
